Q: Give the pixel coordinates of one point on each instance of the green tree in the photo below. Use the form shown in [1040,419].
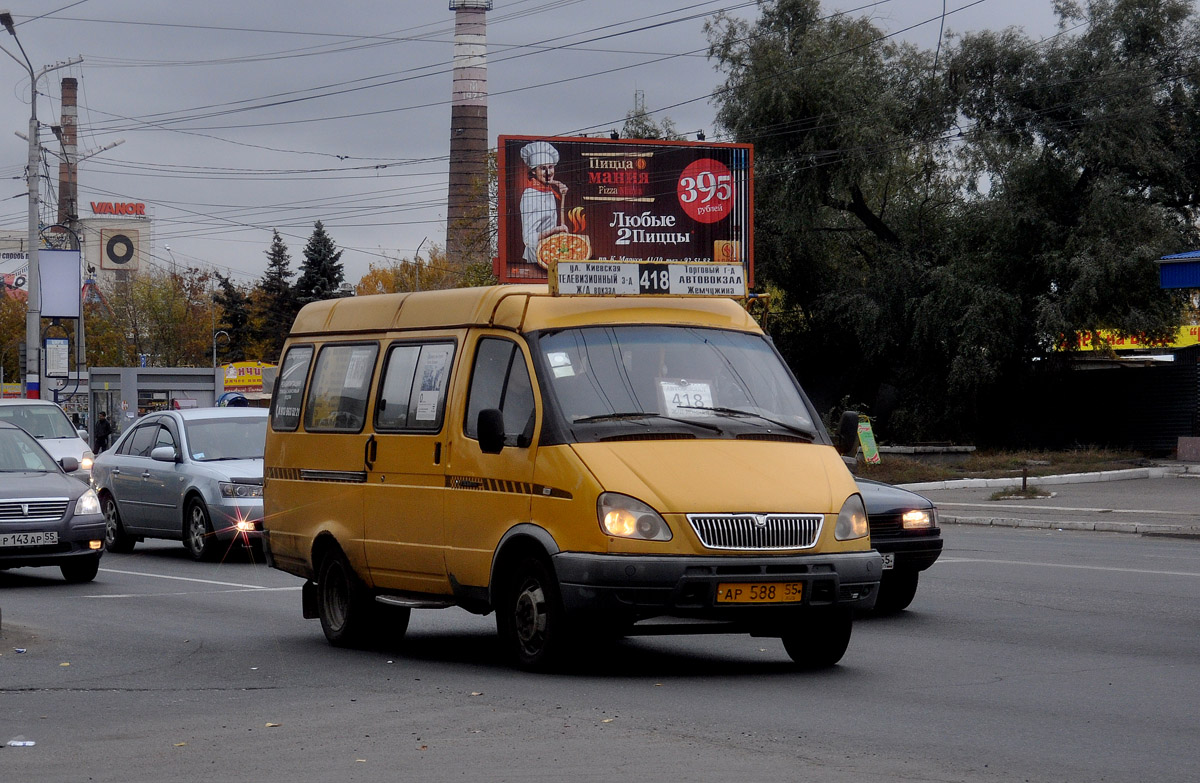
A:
[233,317]
[166,316]
[851,205]
[273,305]
[640,125]
[937,221]
[321,273]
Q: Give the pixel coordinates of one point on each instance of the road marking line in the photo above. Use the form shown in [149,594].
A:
[184,579]
[1067,565]
[1068,508]
[205,592]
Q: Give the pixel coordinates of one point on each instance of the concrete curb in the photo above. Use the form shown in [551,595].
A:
[1172,531]
[1159,471]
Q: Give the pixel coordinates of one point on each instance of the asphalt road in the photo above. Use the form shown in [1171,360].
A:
[1028,654]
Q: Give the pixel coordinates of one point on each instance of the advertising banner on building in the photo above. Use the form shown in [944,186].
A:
[14,273]
[626,216]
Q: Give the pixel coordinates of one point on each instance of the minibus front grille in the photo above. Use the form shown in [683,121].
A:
[757,532]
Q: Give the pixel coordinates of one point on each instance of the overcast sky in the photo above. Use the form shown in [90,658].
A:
[240,117]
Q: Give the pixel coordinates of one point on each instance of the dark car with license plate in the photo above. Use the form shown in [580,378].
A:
[904,529]
[47,518]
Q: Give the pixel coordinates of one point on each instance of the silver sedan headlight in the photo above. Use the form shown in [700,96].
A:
[232,490]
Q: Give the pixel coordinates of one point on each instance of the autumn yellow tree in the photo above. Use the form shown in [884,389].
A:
[435,271]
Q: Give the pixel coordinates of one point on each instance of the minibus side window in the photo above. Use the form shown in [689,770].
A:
[285,408]
[500,379]
[413,391]
[337,394]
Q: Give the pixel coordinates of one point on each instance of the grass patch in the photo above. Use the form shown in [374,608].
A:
[1030,492]
[895,469]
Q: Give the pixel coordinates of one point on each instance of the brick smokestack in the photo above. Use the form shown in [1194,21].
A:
[467,239]
[68,183]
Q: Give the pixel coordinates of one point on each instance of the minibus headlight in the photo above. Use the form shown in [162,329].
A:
[626,517]
[88,503]
[852,519]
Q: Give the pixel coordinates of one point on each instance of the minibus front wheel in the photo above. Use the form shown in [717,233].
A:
[530,615]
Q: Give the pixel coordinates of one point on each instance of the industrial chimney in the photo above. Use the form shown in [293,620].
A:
[68,182]
[467,239]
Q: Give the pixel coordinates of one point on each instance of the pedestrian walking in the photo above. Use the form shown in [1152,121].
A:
[103,433]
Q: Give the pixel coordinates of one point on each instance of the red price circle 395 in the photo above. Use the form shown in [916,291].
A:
[706,191]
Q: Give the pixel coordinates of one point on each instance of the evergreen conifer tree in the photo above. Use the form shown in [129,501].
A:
[321,273]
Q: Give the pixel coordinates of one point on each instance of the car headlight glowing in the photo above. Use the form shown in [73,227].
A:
[919,519]
[852,519]
[626,517]
[232,490]
[86,462]
[88,503]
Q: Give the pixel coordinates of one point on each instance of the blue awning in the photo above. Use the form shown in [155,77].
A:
[1181,270]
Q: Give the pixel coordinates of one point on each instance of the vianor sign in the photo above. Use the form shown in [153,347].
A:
[118,208]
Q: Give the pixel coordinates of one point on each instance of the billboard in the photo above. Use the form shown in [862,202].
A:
[626,215]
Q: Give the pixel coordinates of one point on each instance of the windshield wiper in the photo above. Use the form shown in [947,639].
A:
[646,415]
[738,412]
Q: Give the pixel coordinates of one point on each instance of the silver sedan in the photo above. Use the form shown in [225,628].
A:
[194,475]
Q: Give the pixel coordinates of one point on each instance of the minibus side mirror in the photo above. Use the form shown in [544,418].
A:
[491,431]
[848,434]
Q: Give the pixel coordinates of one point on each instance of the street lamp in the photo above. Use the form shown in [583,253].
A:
[33,314]
[227,339]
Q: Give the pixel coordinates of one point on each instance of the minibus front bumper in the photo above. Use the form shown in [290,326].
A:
[728,587]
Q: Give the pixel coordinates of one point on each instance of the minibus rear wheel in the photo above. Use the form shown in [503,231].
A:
[820,639]
[342,602]
[530,616]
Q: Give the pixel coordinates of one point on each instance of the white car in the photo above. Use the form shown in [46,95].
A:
[47,422]
[194,475]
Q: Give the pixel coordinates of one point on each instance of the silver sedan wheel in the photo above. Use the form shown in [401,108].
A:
[198,535]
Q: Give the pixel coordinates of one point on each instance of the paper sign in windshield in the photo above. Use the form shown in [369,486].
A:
[685,398]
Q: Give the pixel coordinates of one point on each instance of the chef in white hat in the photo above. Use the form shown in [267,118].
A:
[540,213]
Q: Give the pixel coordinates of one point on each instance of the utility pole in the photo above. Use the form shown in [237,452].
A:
[33,315]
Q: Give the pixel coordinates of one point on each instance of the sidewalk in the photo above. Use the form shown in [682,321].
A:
[960,508]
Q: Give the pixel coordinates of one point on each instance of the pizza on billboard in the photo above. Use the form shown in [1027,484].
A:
[583,201]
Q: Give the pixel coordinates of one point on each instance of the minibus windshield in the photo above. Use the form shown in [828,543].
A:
[715,382]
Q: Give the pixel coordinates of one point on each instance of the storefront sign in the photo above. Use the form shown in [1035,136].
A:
[1185,336]
[244,376]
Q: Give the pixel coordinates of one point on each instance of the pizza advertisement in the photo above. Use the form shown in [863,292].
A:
[659,210]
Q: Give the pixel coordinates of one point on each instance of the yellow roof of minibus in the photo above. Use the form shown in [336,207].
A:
[521,308]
